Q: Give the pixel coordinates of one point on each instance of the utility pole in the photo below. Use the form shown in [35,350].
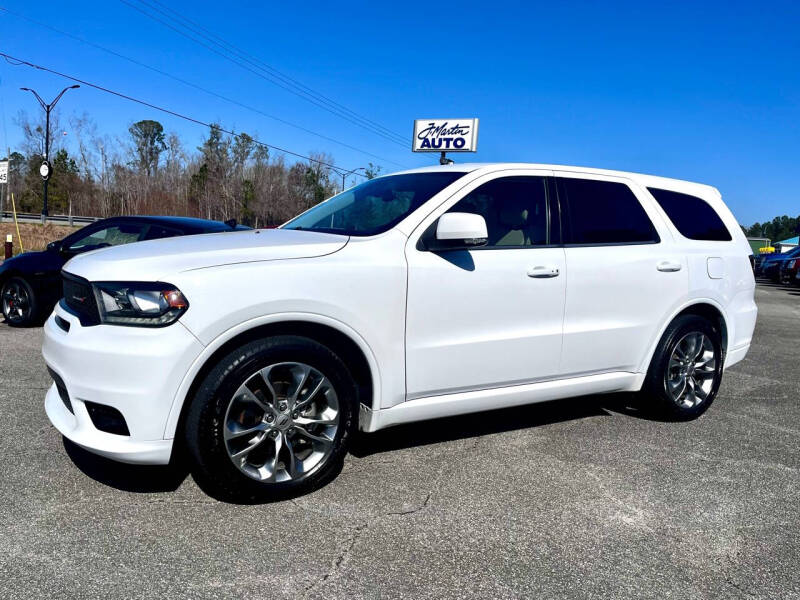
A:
[46,170]
[8,186]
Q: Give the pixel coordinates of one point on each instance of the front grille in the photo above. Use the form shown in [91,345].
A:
[79,299]
[62,389]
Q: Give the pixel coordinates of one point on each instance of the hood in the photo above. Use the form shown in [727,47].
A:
[32,262]
[156,260]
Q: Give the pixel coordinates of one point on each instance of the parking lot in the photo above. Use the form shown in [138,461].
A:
[576,499]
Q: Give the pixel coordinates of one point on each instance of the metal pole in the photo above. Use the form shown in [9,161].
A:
[47,158]
[344,174]
[47,108]
[8,187]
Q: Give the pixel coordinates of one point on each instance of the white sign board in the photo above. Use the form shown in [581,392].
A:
[3,171]
[445,135]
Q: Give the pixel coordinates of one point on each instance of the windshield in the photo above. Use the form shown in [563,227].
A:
[374,206]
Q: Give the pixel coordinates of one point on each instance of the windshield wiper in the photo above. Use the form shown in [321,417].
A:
[331,230]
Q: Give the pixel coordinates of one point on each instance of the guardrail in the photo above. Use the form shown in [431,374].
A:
[37,218]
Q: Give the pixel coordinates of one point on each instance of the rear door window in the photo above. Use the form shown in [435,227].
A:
[693,217]
[603,212]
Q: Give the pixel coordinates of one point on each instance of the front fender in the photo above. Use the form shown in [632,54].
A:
[208,351]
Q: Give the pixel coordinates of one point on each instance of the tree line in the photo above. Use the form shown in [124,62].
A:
[150,171]
[780,228]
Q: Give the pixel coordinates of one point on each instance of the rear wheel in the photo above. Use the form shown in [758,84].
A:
[686,370]
[20,307]
[272,419]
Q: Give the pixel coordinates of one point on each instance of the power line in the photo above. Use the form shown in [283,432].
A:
[300,88]
[224,53]
[394,138]
[18,62]
[197,87]
[272,70]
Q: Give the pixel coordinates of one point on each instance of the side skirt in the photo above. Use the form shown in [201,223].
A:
[447,405]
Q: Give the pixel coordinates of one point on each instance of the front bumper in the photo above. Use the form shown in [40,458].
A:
[132,369]
[79,429]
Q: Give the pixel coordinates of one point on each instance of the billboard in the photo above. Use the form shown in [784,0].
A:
[445,135]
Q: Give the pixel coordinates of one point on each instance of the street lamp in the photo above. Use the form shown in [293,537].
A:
[46,170]
[344,174]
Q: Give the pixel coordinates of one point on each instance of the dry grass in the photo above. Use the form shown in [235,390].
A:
[34,237]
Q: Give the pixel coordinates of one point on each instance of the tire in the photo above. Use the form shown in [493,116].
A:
[235,422]
[19,304]
[668,368]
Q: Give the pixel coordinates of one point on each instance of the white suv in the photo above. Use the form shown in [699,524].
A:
[418,295]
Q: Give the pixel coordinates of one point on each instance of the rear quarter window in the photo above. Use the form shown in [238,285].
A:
[693,217]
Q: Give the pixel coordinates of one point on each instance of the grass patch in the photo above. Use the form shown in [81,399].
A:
[34,236]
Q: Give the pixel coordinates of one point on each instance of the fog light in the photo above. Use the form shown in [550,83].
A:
[107,418]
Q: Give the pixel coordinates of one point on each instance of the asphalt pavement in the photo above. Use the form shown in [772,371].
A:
[583,498]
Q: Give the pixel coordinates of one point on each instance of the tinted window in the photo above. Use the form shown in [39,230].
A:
[108,236]
[374,206]
[156,232]
[692,216]
[515,210]
[604,212]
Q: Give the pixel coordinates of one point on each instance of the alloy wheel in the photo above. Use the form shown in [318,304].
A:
[689,378]
[16,302]
[281,423]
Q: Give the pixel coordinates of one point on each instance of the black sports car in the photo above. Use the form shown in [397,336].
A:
[30,283]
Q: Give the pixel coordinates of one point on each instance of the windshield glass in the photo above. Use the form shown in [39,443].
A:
[374,206]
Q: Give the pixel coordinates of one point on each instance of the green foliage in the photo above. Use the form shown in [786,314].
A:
[315,184]
[248,200]
[197,184]
[372,171]
[149,143]
[780,228]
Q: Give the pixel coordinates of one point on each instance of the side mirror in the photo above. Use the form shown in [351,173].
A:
[54,246]
[459,231]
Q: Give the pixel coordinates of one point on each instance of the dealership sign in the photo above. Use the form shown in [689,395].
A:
[445,135]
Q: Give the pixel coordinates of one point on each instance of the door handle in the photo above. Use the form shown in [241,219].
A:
[543,272]
[668,266]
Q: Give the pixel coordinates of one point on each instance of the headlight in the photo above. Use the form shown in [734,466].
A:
[139,304]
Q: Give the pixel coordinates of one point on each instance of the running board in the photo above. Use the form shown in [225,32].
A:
[434,407]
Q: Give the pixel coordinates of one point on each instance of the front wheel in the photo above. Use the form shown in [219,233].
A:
[271,420]
[20,307]
[686,370]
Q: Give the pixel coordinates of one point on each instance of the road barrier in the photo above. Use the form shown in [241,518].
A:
[37,218]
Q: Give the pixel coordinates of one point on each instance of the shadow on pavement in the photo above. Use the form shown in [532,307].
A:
[129,478]
[168,478]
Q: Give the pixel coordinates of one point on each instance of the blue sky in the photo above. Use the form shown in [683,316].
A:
[704,91]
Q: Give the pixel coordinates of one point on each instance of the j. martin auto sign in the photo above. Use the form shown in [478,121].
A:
[445,135]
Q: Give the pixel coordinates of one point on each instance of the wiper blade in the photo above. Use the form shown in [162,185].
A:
[331,230]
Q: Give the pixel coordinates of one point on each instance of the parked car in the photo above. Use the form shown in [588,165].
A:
[418,295]
[30,283]
[789,271]
[771,265]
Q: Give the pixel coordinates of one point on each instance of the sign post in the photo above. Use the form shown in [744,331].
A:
[445,135]
[3,181]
